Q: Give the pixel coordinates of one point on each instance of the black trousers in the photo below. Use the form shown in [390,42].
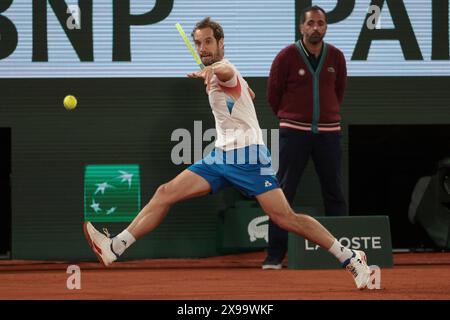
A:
[296,147]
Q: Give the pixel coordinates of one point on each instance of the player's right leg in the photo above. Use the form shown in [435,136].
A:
[184,186]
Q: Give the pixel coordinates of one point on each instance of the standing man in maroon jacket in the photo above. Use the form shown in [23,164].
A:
[305,90]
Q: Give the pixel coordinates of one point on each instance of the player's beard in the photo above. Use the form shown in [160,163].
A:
[213,57]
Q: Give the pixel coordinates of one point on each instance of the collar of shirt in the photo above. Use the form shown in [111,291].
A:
[313,60]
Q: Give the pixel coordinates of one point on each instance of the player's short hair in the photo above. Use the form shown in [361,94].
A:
[208,23]
[309,9]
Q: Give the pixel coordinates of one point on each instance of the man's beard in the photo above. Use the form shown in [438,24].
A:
[213,58]
[315,38]
[208,62]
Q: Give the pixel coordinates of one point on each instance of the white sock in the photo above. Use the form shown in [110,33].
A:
[340,252]
[122,241]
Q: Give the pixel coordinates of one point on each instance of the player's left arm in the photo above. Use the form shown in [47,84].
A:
[222,71]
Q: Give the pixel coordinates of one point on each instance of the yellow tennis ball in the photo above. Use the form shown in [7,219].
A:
[70,102]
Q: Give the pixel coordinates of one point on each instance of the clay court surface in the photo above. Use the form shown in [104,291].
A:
[424,276]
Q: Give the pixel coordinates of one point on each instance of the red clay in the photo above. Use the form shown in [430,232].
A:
[415,276]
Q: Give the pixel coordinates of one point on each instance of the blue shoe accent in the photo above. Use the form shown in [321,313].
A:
[346,262]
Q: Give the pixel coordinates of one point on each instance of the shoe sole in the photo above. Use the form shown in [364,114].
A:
[271,267]
[91,244]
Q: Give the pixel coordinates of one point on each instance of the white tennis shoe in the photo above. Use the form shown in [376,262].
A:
[100,244]
[357,266]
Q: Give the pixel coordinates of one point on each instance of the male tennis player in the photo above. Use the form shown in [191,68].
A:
[240,159]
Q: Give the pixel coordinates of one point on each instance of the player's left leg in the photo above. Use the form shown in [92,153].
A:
[274,203]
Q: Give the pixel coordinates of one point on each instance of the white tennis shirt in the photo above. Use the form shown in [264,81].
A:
[234,112]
